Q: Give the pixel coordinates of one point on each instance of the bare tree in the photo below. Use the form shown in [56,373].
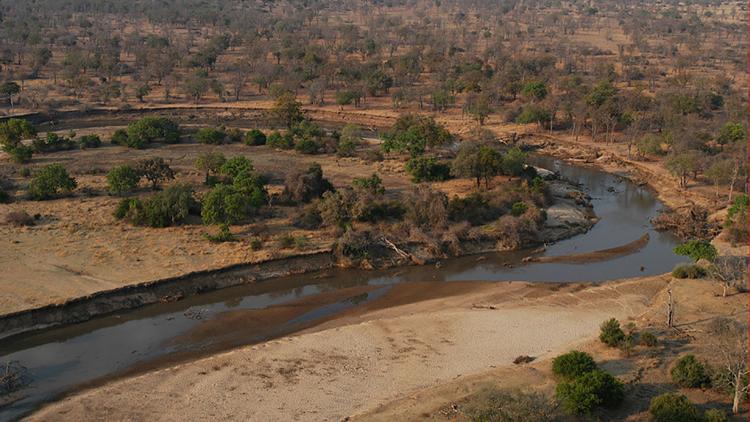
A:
[729,342]
[730,271]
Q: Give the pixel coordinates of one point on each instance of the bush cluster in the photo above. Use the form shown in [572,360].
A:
[140,133]
[51,181]
[584,387]
[167,208]
[683,271]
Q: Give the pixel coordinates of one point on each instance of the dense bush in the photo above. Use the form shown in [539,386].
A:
[122,179]
[427,169]
[120,137]
[683,271]
[672,407]
[414,133]
[715,415]
[255,137]
[147,130]
[349,140]
[54,142]
[518,209]
[228,204]
[697,250]
[589,391]
[492,404]
[689,372]
[304,186]
[610,333]
[51,181]
[736,223]
[167,208]
[572,365]
[474,208]
[648,339]
[13,131]
[211,136]
[89,141]
[20,154]
[426,208]
[379,210]
[277,140]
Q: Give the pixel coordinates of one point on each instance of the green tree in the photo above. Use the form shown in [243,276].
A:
[673,407]
[122,179]
[683,165]
[155,170]
[478,162]
[479,107]
[287,110]
[210,162]
[572,365]
[211,136]
[10,89]
[697,250]
[610,333]
[255,137]
[589,391]
[427,169]
[535,91]
[13,131]
[50,181]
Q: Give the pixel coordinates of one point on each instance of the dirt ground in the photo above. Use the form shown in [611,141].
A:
[409,362]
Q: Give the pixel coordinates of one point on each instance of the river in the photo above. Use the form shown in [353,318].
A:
[63,359]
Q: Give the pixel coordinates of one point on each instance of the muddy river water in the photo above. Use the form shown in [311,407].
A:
[63,359]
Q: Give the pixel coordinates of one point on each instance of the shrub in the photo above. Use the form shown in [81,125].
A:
[374,211]
[211,136]
[308,218]
[24,172]
[610,333]
[234,135]
[372,185]
[255,137]
[256,243]
[413,133]
[122,179]
[673,407]
[518,209]
[336,208]
[227,204]
[277,140]
[54,142]
[715,415]
[51,181]
[19,218]
[589,391]
[648,339]
[13,131]
[167,208]
[736,224]
[304,186]
[493,404]
[427,169]
[89,141]
[426,208]
[697,249]
[306,146]
[573,364]
[20,154]
[474,208]
[224,235]
[120,137]
[689,372]
[300,242]
[286,241]
[683,271]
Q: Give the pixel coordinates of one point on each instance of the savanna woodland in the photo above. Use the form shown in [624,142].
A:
[154,150]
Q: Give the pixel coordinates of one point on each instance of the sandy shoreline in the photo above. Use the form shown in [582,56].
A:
[356,363]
